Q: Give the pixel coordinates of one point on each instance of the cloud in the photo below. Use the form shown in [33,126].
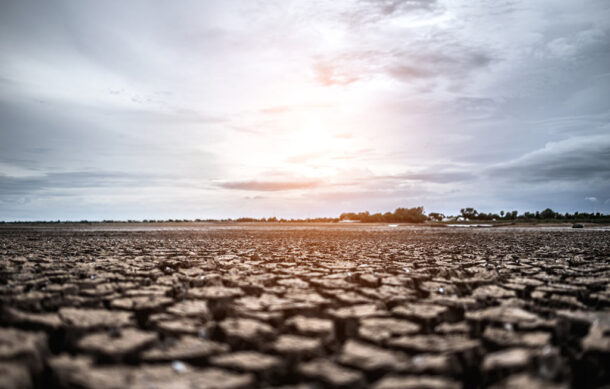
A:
[329,73]
[573,159]
[374,11]
[281,109]
[417,59]
[437,177]
[304,158]
[24,185]
[591,199]
[276,110]
[254,197]
[269,186]
[437,58]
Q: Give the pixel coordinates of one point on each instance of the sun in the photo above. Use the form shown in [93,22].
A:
[312,148]
[313,136]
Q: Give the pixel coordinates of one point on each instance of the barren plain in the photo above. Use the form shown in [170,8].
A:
[304,307]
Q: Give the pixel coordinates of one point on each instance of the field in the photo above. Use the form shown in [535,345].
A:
[217,306]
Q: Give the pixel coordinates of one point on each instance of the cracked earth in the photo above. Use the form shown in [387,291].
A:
[310,307]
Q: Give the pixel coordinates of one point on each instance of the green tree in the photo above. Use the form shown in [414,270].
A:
[469,213]
[410,215]
[548,214]
[436,216]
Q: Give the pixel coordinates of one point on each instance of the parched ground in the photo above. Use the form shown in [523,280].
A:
[304,308]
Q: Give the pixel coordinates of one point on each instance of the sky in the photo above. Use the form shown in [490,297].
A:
[218,109]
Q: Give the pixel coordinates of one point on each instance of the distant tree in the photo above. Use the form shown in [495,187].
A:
[410,215]
[375,218]
[348,216]
[469,213]
[245,220]
[404,215]
[363,216]
[436,216]
[548,214]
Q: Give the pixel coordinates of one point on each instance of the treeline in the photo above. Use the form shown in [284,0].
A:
[546,215]
[400,215]
[228,220]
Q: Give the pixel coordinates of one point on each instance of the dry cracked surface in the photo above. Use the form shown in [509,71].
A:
[304,308]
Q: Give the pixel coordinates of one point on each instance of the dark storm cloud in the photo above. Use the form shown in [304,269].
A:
[269,186]
[427,61]
[390,7]
[473,104]
[439,177]
[580,159]
[11,186]
[373,11]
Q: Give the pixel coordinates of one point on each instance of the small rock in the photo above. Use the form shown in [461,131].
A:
[90,319]
[330,373]
[179,366]
[435,343]
[190,308]
[249,361]
[28,349]
[214,293]
[526,381]
[14,376]
[356,311]
[511,359]
[312,326]
[412,382]
[297,345]
[246,330]
[184,348]
[370,358]
[427,313]
[130,341]
[379,330]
